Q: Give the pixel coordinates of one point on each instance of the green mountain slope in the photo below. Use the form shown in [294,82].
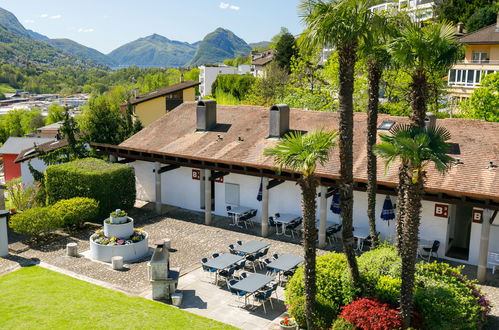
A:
[153,51]
[262,44]
[75,48]
[10,22]
[219,45]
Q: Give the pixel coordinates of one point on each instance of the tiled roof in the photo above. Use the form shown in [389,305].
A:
[32,151]
[163,91]
[486,35]
[14,145]
[175,134]
[262,61]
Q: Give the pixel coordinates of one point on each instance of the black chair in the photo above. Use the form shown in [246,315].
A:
[293,226]
[433,249]
[214,255]
[233,291]
[243,275]
[253,258]
[262,253]
[239,242]
[264,296]
[275,256]
[271,286]
[368,241]
[269,270]
[231,249]
[207,269]
[229,208]
[227,273]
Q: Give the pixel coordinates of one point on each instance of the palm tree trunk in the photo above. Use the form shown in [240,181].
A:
[419,97]
[309,191]
[374,76]
[410,240]
[347,58]
[401,198]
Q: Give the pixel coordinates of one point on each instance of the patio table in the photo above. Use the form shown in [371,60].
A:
[223,261]
[360,234]
[251,247]
[252,284]
[285,262]
[238,211]
[285,219]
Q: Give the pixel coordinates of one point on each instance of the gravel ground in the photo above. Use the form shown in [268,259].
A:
[191,240]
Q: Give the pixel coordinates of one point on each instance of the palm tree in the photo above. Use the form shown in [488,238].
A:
[301,153]
[340,24]
[423,51]
[374,49]
[415,147]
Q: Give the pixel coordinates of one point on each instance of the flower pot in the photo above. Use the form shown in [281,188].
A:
[119,230]
[177,299]
[288,327]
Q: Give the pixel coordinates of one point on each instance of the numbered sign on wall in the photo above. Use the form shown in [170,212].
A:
[441,210]
[477,216]
[196,175]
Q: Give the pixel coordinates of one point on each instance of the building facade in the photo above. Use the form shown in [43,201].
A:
[481,58]
[213,158]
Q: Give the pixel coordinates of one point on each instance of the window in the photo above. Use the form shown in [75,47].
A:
[470,77]
[231,194]
[480,57]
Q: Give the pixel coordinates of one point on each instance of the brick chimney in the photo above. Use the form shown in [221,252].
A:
[206,115]
[279,120]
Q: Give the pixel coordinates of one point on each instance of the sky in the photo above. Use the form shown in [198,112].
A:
[108,24]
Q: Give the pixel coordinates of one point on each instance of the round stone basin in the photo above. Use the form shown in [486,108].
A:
[119,230]
[130,252]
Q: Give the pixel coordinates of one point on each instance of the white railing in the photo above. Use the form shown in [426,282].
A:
[478,62]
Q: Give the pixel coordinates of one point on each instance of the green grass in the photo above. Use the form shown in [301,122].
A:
[6,88]
[35,297]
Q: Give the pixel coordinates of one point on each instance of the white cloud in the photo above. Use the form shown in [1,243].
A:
[226,5]
[55,16]
[29,21]
[86,30]
[44,15]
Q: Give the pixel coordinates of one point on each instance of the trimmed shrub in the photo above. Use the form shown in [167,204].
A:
[34,221]
[111,185]
[342,324]
[367,313]
[325,312]
[75,211]
[332,289]
[447,299]
[234,84]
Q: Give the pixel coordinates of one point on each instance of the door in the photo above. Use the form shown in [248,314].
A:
[460,232]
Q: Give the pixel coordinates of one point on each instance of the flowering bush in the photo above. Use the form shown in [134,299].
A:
[98,237]
[367,313]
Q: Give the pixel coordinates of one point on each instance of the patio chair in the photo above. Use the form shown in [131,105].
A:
[263,253]
[233,291]
[368,241]
[207,269]
[249,218]
[432,250]
[493,260]
[214,255]
[240,266]
[269,270]
[242,275]
[253,259]
[263,297]
[272,223]
[227,273]
[275,256]
[272,286]
[293,228]
[231,249]
[239,242]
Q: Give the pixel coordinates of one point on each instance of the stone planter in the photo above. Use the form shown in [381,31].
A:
[177,298]
[129,252]
[118,219]
[119,230]
[287,327]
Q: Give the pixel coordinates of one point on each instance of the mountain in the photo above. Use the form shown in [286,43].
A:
[153,51]
[10,22]
[37,35]
[219,45]
[263,44]
[75,48]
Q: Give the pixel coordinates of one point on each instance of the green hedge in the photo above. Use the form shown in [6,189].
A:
[234,84]
[34,221]
[111,185]
[75,211]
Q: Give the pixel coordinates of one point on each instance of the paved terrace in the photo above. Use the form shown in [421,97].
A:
[191,240]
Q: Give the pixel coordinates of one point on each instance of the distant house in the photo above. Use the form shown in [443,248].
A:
[11,150]
[48,131]
[208,74]
[259,60]
[481,58]
[151,106]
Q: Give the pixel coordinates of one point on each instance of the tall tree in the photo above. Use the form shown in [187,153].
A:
[285,50]
[456,11]
[341,24]
[415,147]
[301,153]
[374,49]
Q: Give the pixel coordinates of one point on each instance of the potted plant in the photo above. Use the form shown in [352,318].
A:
[287,323]
[118,216]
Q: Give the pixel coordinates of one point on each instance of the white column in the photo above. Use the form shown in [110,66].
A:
[157,180]
[207,197]
[323,217]
[484,246]
[4,240]
[265,207]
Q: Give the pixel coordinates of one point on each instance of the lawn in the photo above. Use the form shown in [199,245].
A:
[6,88]
[35,297]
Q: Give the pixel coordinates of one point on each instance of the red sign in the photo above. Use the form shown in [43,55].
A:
[477,216]
[196,175]
[220,179]
[441,210]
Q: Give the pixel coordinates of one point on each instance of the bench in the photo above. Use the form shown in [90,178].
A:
[493,260]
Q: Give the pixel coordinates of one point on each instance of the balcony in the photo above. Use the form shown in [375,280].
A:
[477,65]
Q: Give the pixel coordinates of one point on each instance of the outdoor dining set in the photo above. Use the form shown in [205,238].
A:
[230,269]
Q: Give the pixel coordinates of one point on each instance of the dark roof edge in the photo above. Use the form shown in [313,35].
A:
[164,91]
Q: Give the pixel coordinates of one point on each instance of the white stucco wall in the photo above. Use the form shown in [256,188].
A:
[144,180]
[37,164]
